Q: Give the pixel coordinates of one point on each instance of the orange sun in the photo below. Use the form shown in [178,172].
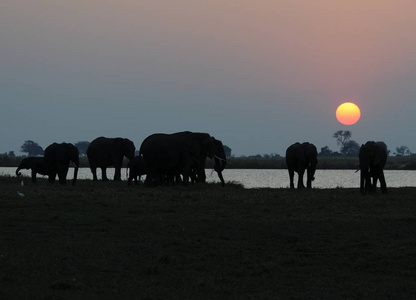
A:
[348,113]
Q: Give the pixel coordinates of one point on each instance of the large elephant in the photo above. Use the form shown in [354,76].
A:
[301,157]
[106,152]
[167,155]
[373,157]
[57,159]
[36,164]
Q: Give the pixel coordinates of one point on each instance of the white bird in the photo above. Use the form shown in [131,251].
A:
[22,183]
[20,194]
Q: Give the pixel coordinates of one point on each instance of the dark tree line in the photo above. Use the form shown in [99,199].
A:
[348,147]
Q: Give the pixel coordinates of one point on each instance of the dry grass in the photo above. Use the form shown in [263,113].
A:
[109,241]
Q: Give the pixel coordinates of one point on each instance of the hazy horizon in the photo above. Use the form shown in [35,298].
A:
[257,75]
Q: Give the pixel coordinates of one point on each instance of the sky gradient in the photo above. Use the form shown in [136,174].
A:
[258,75]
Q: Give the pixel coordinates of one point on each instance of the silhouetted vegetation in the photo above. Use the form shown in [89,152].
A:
[31,148]
[82,147]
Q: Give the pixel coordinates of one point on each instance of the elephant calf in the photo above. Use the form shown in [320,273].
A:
[136,169]
[36,164]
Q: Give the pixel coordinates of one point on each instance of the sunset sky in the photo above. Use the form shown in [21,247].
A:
[258,75]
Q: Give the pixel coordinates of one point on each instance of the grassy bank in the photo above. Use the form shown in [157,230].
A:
[109,241]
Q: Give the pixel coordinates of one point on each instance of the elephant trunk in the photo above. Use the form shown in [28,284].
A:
[363,179]
[219,166]
[17,171]
[75,175]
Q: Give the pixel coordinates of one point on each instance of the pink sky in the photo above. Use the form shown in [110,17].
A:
[264,73]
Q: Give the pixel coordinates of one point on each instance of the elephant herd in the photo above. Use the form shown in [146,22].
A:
[180,158]
[372,159]
[163,158]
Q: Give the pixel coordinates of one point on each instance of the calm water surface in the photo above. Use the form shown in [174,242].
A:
[269,178]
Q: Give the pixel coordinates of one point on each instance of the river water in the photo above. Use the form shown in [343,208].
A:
[268,178]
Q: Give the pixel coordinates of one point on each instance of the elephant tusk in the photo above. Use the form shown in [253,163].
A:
[217,157]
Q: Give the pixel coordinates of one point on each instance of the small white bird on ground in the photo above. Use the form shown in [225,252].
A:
[20,194]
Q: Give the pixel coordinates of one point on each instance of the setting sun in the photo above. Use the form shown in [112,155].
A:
[348,113]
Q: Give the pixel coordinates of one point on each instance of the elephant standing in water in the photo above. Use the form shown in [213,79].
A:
[106,152]
[36,164]
[373,157]
[301,157]
[57,158]
[168,155]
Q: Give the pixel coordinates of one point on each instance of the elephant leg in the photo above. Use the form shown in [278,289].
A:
[104,173]
[62,172]
[117,174]
[383,183]
[131,177]
[94,173]
[148,179]
[368,182]
[300,179]
[52,176]
[178,179]
[291,175]
[33,176]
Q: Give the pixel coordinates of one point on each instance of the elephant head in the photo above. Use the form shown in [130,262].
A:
[372,157]
[311,160]
[127,148]
[57,159]
[214,149]
[220,159]
[24,164]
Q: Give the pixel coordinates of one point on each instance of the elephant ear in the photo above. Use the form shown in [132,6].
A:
[311,154]
[380,153]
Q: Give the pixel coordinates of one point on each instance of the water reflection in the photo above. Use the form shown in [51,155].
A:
[268,178]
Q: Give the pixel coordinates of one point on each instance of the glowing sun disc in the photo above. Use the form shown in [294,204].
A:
[348,113]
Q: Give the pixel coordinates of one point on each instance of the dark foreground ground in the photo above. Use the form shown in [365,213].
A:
[109,241]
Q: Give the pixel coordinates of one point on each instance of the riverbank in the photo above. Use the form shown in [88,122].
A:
[104,240]
[274,162]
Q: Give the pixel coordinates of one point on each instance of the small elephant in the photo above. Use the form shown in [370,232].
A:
[57,159]
[106,152]
[301,157]
[36,164]
[136,169]
[372,157]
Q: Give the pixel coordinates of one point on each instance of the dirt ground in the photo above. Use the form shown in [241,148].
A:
[107,240]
